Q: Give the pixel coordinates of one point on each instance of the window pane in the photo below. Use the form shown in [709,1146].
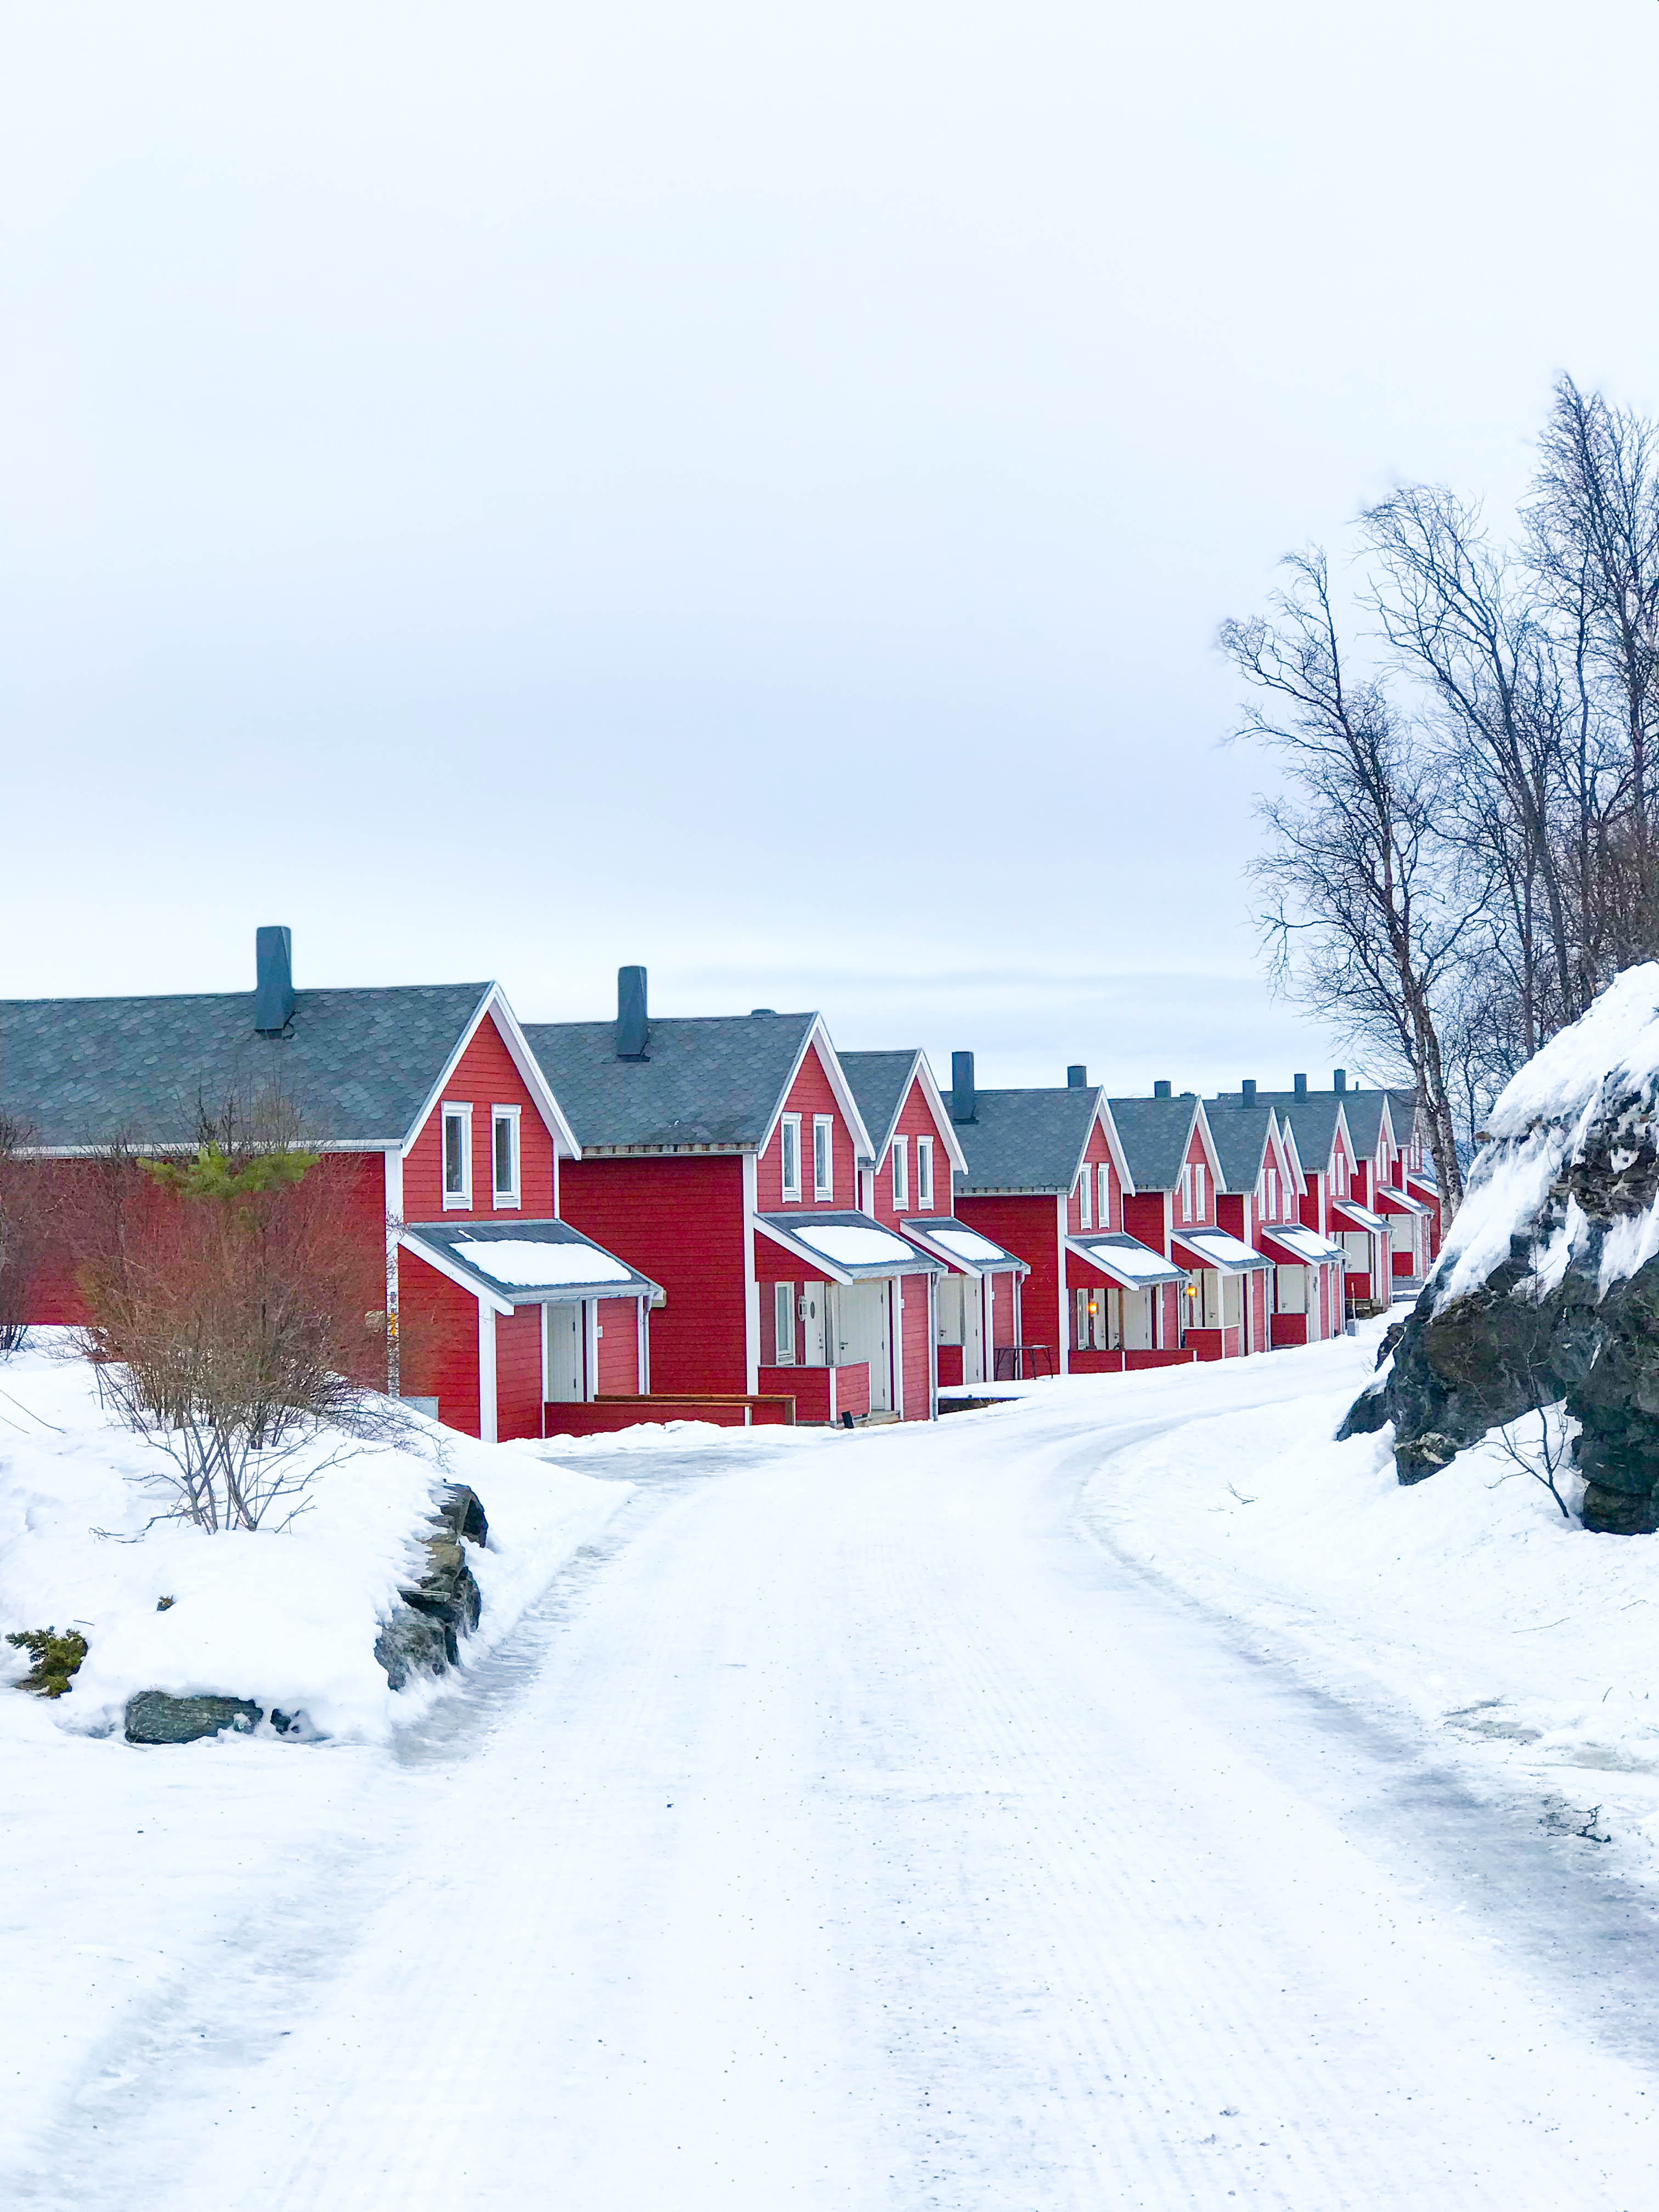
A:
[925,1171]
[454,1160]
[504,1176]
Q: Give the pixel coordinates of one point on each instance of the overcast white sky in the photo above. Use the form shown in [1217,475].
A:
[510,490]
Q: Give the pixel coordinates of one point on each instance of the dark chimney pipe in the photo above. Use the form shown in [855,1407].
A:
[1249,1089]
[1301,1083]
[1077,1078]
[1161,1089]
[273,980]
[630,1014]
[1339,1079]
[963,1107]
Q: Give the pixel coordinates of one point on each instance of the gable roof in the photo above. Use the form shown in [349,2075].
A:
[881,1083]
[1029,1140]
[1313,1118]
[714,1080]
[358,1066]
[1156,1134]
[1243,1133]
[1363,1110]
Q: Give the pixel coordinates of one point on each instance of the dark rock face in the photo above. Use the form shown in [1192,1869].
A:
[1572,1312]
[425,1631]
[155,1717]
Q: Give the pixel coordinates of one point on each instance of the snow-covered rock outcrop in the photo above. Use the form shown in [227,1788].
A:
[1548,1284]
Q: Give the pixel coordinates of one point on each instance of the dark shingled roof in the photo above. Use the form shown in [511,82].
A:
[358,1066]
[879,1081]
[1154,1133]
[711,1080]
[1026,1140]
[1312,1121]
[1240,1134]
[1363,1110]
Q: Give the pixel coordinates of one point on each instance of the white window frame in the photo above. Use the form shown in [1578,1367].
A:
[456,1201]
[506,1117]
[1198,1190]
[788,1142]
[900,1174]
[1187,1191]
[824,1143]
[783,1324]
[1085,1197]
[1104,1207]
[925,1175]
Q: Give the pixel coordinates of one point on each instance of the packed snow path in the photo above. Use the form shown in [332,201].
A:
[854,1829]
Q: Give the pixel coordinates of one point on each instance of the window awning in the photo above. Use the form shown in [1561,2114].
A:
[1124,1261]
[1300,1248]
[1358,1216]
[1214,1247]
[846,1247]
[963,1250]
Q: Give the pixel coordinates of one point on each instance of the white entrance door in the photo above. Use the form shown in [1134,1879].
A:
[812,1317]
[972,1332]
[562,1353]
[863,1333]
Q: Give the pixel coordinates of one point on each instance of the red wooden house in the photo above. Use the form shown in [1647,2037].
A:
[1414,1174]
[721,1155]
[909,1185]
[1298,1297]
[444,1143]
[1047,1179]
[1179,1179]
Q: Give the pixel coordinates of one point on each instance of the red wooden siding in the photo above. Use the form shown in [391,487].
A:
[519,1373]
[809,1094]
[485,1076]
[1144,1217]
[619,1346]
[918,1348]
[1029,1228]
[1099,1152]
[680,1222]
[916,1118]
[438,1329]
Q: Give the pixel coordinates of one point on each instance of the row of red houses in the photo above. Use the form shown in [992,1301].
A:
[719,1215]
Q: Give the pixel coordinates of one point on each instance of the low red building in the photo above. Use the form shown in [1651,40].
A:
[443,1142]
[1296,1298]
[909,1185]
[721,1157]
[1179,1180]
[1046,1179]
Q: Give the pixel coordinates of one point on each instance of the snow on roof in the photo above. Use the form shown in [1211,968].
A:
[527,1265]
[1359,1216]
[851,1247]
[965,1244]
[1311,1249]
[1400,1201]
[1216,1248]
[1132,1263]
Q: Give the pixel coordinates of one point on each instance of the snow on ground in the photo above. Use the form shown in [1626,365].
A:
[1530,1647]
[1050,1808]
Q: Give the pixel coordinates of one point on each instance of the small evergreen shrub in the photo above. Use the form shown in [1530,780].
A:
[55,1659]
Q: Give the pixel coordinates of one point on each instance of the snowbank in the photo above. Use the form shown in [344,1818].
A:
[1469,1599]
[287,1618]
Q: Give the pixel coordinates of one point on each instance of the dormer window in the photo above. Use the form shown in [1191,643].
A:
[789,1150]
[504,1155]
[900,1174]
[925,1173]
[823,1157]
[458,1158]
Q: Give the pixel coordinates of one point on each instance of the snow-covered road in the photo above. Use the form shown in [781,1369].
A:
[853,1827]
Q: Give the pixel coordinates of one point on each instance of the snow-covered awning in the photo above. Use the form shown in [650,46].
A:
[525,1263]
[963,1250]
[1398,1201]
[1293,1246]
[1214,1247]
[846,1247]
[1124,1261]
[1358,1216]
